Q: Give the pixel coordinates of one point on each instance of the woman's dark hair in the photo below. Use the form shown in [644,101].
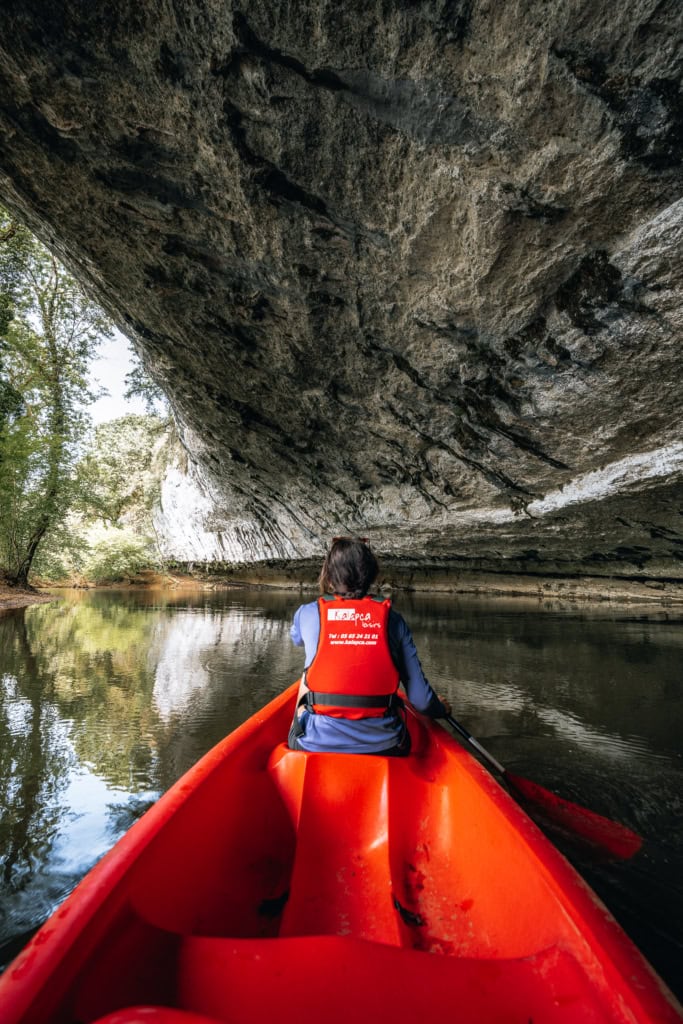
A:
[349,569]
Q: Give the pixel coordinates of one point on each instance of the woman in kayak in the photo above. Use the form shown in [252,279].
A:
[357,651]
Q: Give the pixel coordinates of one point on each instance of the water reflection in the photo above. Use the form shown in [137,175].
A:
[106,698]
[104,701]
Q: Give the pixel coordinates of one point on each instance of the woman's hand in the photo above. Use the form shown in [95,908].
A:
[447,705]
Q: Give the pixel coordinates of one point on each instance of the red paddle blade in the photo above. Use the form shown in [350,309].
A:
[617,839]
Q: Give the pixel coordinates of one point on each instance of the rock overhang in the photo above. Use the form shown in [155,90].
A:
[409,270]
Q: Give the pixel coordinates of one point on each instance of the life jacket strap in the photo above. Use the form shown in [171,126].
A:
[389,701]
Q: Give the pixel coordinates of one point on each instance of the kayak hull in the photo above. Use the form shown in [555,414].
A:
[274,884]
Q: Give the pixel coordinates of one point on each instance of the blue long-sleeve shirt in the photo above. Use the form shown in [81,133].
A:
[366,735]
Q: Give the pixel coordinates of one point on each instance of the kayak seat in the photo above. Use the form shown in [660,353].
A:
[341,879]
[411,852]
[351,864]
[223,863]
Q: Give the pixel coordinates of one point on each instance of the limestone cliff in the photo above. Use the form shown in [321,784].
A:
[407,268]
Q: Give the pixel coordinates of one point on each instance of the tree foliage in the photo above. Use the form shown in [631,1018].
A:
[10,399]
[109,534]
[121,468]
[74,503]
[50,330]
[119,478]
[140,385]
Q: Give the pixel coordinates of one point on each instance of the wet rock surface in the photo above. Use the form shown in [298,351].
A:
[408,269]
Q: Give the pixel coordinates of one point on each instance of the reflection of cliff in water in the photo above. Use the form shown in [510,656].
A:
[211,668]
[195,652]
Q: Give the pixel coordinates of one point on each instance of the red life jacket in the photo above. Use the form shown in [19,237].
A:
[353,674]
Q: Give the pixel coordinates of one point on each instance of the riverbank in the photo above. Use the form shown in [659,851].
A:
[21,597]
[438,578]
[302,577]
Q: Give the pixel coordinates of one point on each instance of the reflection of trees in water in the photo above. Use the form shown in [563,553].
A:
[102,684]
[34,761]
[146,687]
[123,816]
[69,704]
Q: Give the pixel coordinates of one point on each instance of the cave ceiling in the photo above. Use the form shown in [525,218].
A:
[411,269]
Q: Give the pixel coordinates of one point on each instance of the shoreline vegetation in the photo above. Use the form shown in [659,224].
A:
[302,576]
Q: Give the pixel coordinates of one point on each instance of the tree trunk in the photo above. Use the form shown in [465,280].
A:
[19,578]
[55,458]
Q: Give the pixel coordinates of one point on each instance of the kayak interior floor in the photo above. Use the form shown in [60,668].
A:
[383,849]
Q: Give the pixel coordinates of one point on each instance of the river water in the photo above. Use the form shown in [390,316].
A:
[107,697]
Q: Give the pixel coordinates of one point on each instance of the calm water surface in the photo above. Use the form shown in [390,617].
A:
[106,698]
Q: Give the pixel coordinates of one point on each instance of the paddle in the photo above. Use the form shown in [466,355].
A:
[617,839]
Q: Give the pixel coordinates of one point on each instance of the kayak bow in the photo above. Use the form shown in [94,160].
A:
[270,884]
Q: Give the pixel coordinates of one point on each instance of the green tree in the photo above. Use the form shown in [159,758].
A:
[120,474]
[140,385]
[110,534]
[10,399]
[122,468]
[48,341]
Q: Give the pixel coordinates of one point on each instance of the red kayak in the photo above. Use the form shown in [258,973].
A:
[270,885]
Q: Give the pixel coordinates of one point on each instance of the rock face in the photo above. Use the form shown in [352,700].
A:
[406,268]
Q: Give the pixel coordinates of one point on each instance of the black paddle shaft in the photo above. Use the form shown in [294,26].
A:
[476,744]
